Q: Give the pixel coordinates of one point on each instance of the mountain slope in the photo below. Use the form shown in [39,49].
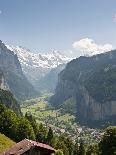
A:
[91,81]
[49,81]
[13,76]
[7,99]
[36,65]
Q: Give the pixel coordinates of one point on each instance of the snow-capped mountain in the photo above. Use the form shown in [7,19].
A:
[37,65]
[37,60]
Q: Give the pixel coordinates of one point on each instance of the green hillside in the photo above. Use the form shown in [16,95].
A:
[7,99]
[5,143]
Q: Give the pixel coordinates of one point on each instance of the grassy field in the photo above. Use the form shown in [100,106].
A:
[5,143]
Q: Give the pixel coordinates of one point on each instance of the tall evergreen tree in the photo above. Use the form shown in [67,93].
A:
[81,148]
[107,144]
[49,136]
[76,148]
[41,134]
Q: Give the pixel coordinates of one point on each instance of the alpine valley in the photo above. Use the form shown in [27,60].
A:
[83,87]
[56,100]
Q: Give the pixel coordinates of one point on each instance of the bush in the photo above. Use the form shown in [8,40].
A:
[107,145]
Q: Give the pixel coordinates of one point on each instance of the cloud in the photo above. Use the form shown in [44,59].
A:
[88,47]
[114,17]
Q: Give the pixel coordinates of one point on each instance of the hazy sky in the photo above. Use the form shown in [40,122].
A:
[42,25]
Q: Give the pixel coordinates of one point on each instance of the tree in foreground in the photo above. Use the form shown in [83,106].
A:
[92,149]
[59,152]
[81,148]
[76,148]
[41,134]
[107,145]
[49,136]
[25,130]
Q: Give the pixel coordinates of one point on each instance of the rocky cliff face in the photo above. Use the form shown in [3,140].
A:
[3,84]
[90,109]
[12,74]
[92,82]
[9,60]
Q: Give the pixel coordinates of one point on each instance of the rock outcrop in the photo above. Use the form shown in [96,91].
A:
[3,84]
[8,60]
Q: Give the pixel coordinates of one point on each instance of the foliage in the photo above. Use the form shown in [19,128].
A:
[32,121]
[14,127]
[41,134]
[7,99]
[107,144]
[25,130]
[49,136]
[101,85]
[92,149]
[76,148]
[69,106]
[65,144]
[58,152]
[81,148]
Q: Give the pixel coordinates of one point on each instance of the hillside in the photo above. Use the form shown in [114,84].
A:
[13,75]
[7,99]
[5,143]
[91,81]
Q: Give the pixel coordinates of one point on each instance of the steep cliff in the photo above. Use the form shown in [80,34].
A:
[13,76]
[92,82]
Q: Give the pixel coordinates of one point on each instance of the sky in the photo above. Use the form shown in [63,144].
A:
[71,26]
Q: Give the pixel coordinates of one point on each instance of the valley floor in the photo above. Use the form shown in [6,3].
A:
[60,122]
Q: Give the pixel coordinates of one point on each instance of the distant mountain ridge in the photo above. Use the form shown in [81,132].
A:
[49,81]
[37,65]
[45,60]
[13,75]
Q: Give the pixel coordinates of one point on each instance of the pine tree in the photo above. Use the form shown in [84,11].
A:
[81,148]
[49,136]
[41,134]
[107,145]
[76,148]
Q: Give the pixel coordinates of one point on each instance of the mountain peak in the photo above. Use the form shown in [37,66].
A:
[46,60]
[36,65]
